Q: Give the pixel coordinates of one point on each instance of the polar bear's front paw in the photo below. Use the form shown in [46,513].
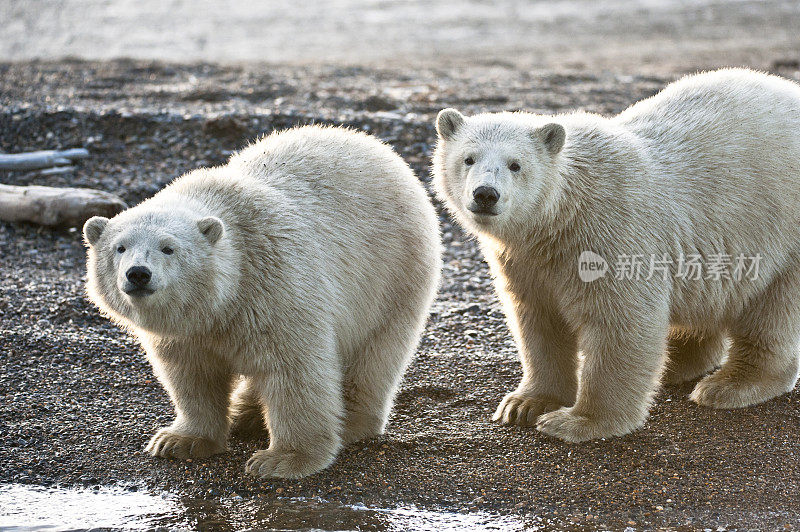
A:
[567,425]
[286,463]
[523,410]
[170,444]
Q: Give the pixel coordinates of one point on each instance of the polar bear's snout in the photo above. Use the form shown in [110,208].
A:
[484,199]
[137,281]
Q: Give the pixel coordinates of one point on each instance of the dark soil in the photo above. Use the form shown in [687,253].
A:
[79,401]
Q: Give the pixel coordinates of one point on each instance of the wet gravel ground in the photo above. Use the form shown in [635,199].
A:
[79,402]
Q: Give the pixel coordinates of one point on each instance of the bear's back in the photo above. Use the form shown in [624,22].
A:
[736,102]
[341,183]
[322,158]
[725,145]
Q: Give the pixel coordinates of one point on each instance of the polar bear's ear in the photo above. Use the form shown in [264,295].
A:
[552,136]
[211,228]
[448,122]
[93,228]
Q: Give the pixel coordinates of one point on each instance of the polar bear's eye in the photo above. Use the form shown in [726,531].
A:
[469,161]
[514,167]
[120,249]
[166,250]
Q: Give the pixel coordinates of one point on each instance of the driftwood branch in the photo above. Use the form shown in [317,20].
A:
[40,159]
[56,206]
[57,170]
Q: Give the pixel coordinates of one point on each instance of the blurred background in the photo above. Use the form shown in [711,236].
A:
[613,34]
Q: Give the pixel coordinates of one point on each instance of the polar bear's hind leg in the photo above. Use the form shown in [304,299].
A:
[763,361]
[691,355]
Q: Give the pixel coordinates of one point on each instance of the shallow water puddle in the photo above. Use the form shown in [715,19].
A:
[30,508]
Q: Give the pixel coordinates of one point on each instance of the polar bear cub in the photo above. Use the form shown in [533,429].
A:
[286,289]
[707,172]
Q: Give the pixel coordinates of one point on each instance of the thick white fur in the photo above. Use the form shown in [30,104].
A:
[709,165]
[299,312]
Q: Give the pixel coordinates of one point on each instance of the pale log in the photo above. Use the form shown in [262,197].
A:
[50,206]
[40,159]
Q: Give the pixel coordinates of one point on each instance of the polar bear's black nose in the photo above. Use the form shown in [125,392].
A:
[485,196]
[138,276]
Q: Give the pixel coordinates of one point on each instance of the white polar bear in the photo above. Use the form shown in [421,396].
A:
[287,288]
[707,168]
